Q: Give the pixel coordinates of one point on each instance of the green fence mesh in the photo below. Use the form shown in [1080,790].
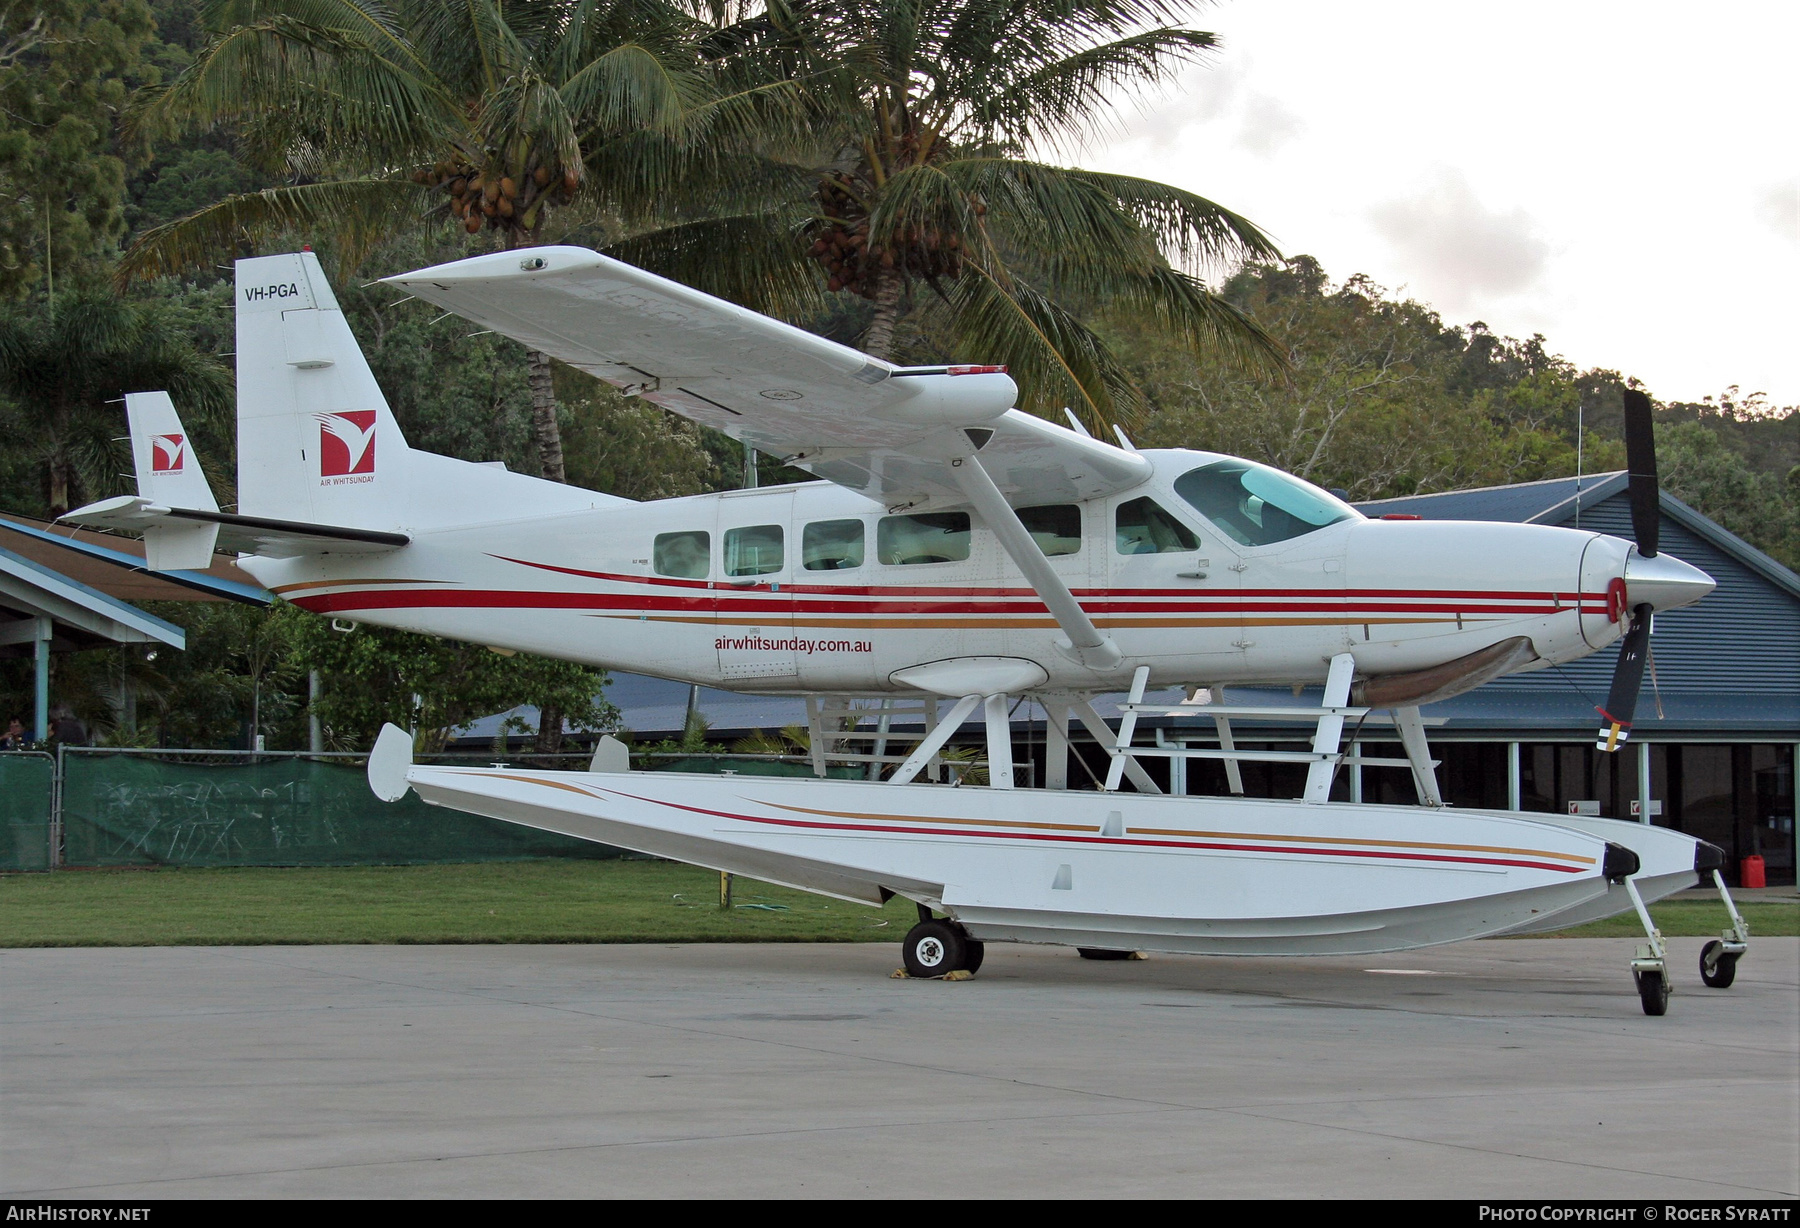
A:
[138,810]
[121,810]
[25,785]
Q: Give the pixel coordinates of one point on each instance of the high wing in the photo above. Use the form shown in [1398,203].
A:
[888,432]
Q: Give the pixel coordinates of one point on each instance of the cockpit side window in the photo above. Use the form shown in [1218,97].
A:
[1255,505]
[1143,527]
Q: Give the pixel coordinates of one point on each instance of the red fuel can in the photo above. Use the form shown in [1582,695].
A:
[1750,871]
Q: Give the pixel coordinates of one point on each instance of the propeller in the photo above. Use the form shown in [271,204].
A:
[1646,526]
[1627,680]
[1640,460]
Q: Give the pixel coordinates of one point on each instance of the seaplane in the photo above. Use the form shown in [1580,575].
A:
[952,556]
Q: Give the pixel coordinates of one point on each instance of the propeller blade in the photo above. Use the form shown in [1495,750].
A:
[1628,679]
[1640,459]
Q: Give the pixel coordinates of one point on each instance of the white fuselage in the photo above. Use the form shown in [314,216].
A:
[804,613]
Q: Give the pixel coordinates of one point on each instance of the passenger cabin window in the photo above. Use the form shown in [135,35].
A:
[933,537]
[1143,527]
[753,551]
[685,555]
[832,545]
[1255,505]
[1056,529]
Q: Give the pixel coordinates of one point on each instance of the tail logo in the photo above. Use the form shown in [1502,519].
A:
[168,453]
[347,445]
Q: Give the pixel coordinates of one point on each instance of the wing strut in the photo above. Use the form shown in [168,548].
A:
[1087,644]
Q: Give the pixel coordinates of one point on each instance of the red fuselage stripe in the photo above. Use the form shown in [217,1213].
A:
[779,605]
[1026,594]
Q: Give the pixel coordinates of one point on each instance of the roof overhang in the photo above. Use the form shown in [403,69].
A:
[33,599]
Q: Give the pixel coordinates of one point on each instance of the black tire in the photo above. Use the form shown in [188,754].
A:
[1718,971]
[973,953]
[932,948]
[1101,953]
[1653,992]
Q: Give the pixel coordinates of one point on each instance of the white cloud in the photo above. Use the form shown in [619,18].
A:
[1266,125]
[1457,250]
[1216,95]
[1777,206]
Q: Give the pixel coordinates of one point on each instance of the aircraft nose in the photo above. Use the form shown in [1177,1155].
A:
[1664,582]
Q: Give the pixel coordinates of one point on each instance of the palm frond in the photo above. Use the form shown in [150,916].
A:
[469,44]
[1055,359]
[1196,231]
[1209,325]
[766,271]
[355,214]
[1059,218]
[528,111]
[631,87]
[1060,101]
[921,196]
[299,81]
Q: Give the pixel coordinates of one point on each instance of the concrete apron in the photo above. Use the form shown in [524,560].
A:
[1490,1069]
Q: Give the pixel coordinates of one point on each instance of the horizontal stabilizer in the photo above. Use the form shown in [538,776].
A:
[243,534]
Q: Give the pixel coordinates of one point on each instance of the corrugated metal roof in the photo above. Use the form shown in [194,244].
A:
[116,566]
[1516,504]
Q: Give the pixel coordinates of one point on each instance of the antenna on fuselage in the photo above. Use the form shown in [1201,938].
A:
[1076,424]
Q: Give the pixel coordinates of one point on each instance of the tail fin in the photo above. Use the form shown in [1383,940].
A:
[168,473]
[316,440]
[317,444]
[167,470]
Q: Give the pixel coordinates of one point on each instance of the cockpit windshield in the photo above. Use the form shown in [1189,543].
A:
[1255,505]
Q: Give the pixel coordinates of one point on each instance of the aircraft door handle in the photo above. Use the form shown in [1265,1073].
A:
[1191,575]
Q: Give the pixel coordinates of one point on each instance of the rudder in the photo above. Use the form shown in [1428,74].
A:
[168,473]
[316,439]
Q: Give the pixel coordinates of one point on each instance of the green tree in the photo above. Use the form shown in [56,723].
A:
[66,69]
[1700,467]
[63,374]
[916,188]
[371,676]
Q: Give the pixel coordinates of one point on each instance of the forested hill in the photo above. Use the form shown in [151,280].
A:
[1387,399]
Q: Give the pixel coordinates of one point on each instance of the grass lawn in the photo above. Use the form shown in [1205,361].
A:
[502,901]
[521,901]
[1693,919]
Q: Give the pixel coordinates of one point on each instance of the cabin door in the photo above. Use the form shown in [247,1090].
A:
[753,594]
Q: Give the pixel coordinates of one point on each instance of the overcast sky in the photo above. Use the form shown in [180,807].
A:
[1621,177]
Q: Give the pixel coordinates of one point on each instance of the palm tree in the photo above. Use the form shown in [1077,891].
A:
[919,183]
[66,370]
[389,115]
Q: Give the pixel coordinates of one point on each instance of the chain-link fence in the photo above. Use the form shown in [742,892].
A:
[96,806]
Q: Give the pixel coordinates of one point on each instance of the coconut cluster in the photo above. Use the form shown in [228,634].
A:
[500,200]
[840,242]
